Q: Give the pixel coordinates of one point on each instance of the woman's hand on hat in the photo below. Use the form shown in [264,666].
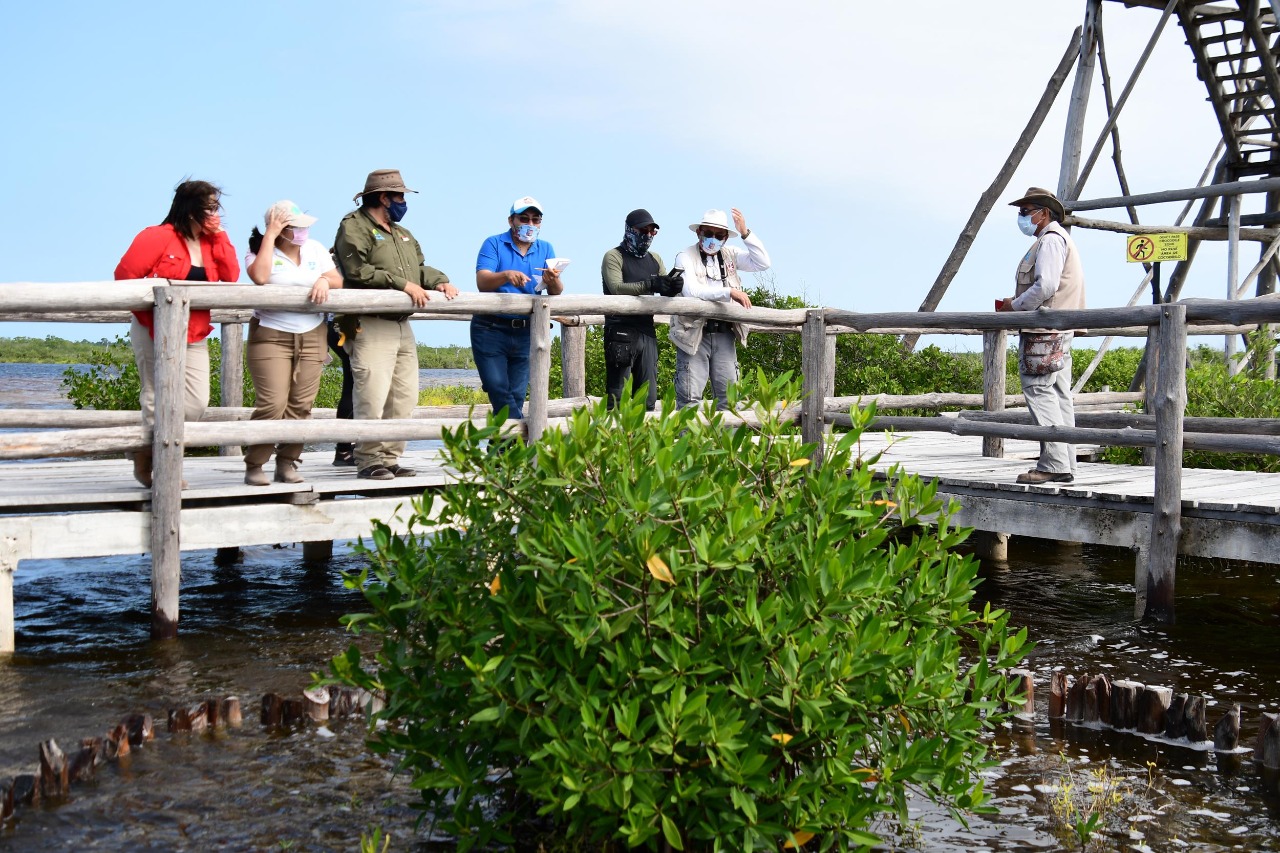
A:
[740,222]
[276,222]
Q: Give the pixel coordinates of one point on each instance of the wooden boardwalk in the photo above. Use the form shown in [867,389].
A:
[1225,514]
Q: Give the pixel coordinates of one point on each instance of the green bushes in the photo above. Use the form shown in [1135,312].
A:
[646,631]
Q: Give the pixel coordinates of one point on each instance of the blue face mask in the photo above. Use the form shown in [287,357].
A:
[397,210]
[711,245]
[1026,226]
[527,233]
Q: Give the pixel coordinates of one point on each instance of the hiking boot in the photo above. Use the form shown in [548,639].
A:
[1036,477]
[344,457]
[401,471]
[375,472]
[255,476]
[287,471]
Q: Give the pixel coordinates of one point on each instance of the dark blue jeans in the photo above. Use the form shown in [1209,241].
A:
[502,360]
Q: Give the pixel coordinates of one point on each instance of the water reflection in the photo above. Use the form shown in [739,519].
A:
[264,622]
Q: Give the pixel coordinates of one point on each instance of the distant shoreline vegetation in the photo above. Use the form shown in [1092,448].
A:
[52,350]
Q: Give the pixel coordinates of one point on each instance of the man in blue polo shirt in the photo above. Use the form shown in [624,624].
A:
[514,261]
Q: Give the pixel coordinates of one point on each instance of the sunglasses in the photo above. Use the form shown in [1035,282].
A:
[719,235]
[526,219]
[650,230]
[1027,211]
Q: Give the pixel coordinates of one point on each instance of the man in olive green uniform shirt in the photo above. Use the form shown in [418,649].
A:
[374,251]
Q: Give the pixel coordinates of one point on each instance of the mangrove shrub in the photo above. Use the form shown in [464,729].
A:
[645,631]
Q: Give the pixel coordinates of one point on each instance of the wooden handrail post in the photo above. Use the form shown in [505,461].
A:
[573,360]
[172,315]
[535,414]
[232,373]
[993,546]
[1151,362]
[1166,517]
[813,357]
[829,377]
[12,542]
[995,347]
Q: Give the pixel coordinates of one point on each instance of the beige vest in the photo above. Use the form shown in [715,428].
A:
[1070,293]
[686,332]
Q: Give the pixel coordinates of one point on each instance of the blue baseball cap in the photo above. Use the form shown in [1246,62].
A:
[520,205]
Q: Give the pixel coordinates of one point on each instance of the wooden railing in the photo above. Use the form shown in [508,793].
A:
[1163,429]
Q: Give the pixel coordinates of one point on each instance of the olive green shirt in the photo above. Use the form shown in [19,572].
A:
[611,275]
[370,256]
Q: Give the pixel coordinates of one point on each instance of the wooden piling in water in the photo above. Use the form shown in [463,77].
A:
[1266,749]
[1226,734]
[1097,700]
[1152,705]
[55,780]
[1058,688]
[1124,703]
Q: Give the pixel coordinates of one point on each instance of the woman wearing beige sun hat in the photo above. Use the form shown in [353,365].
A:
[287,349]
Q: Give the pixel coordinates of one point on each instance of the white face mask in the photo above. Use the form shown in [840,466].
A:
[1026,226]
[711,245]
[527,233]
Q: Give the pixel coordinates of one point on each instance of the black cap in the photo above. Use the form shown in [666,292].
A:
[640,219]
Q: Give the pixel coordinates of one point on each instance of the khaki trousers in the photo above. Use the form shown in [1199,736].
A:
[286,371]
[384,364]
[196,396]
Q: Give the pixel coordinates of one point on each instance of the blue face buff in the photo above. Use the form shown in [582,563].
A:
[1025,225]
[527,233]
[397,210]
[711,245]
[636,243]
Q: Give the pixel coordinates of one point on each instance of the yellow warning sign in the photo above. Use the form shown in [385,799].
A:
[1150,248]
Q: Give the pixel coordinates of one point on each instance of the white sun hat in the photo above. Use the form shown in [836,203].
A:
[714,219]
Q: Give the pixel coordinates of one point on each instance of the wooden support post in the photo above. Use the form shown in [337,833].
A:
[12,546]
[1166,520]
[829,378]
[988,199]
[232,374]
[1074,136]
[573,361]
[993,546]
[172,314]
[317,552]
[1233,273]
[1150,364]
[813,356]
[535,415]
[1078,184]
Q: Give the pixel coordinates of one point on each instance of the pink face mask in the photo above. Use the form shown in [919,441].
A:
[298,236]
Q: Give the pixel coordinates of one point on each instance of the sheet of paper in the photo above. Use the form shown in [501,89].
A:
[557,264]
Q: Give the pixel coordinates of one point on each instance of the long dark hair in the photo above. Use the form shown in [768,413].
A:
[190,202]
[255,240]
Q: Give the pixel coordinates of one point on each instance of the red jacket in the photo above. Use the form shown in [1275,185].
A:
[161,252]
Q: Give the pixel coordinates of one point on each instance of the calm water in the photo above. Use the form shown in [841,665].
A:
[265,623]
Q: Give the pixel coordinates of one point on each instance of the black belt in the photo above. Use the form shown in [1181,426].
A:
[716,326]
[502,322]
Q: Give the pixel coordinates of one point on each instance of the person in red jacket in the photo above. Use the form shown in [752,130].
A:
[189,245]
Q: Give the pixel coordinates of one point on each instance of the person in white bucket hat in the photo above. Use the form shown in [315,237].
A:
[286,348]
[707,349]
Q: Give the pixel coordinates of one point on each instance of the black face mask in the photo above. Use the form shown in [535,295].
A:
[634,242]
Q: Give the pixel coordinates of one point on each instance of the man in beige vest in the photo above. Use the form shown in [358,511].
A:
[1049,276]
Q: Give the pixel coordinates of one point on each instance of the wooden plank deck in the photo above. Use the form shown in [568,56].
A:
[1226,514]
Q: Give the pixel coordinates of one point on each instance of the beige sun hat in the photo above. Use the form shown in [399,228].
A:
[714,219]
[293,215]
[383,181]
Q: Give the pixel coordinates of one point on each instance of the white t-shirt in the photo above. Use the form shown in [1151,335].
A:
[314,261]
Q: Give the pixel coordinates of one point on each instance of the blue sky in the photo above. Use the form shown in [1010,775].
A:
[856,139]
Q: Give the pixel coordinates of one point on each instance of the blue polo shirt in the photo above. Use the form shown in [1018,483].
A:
[498,254]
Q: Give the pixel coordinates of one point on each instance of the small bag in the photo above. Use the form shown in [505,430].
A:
[620,345]
[1042,353]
